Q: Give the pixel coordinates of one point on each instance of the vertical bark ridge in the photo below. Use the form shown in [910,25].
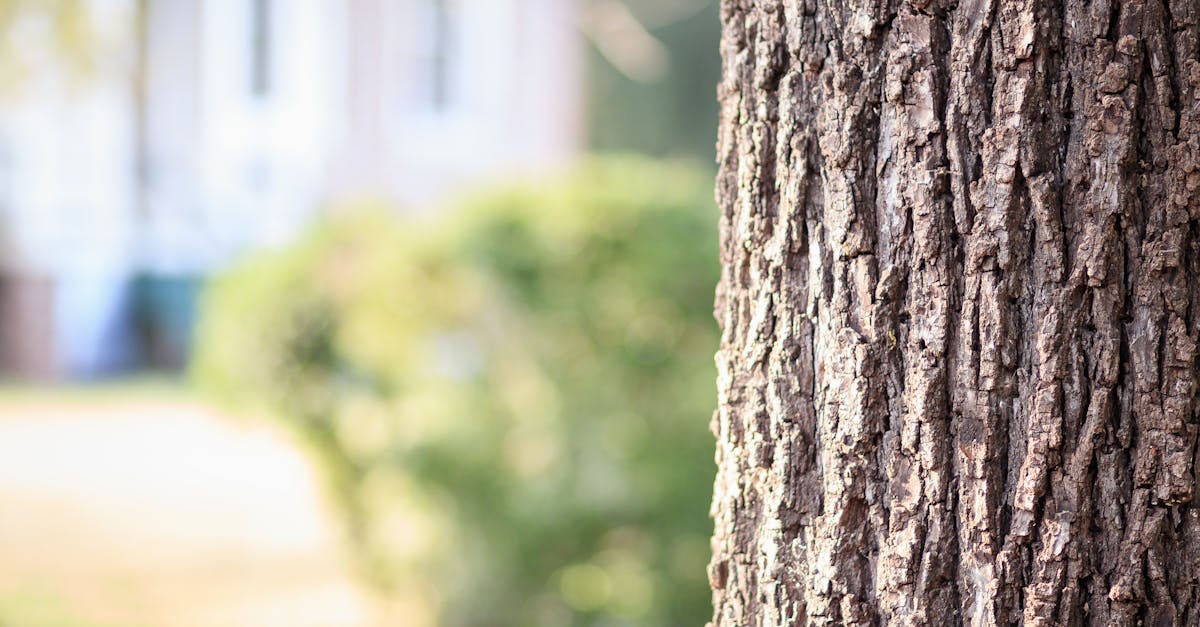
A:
[849,396]
[916,565]
[959,360]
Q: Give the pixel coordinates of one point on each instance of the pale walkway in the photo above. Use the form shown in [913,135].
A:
[161,513]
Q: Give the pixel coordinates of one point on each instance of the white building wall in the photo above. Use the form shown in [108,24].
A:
[514,76]
[228,169]
[176,235]
[262,157]
[70,186]
[68,192]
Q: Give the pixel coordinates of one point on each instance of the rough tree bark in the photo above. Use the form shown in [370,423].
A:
[960,307]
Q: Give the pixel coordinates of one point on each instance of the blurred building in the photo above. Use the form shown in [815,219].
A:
[208,128]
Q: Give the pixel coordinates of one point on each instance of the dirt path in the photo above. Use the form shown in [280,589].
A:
[161,513]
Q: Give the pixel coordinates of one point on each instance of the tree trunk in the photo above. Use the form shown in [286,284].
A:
[960,303]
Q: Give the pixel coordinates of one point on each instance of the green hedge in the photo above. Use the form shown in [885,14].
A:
[510,404]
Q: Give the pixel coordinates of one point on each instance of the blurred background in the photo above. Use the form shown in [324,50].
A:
[356,312]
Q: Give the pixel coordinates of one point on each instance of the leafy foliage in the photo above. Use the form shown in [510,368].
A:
[510,406]
[34,33]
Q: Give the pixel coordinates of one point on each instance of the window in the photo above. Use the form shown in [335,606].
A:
[435,57]
[260,47]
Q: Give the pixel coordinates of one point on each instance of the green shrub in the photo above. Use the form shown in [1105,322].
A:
[510,405]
